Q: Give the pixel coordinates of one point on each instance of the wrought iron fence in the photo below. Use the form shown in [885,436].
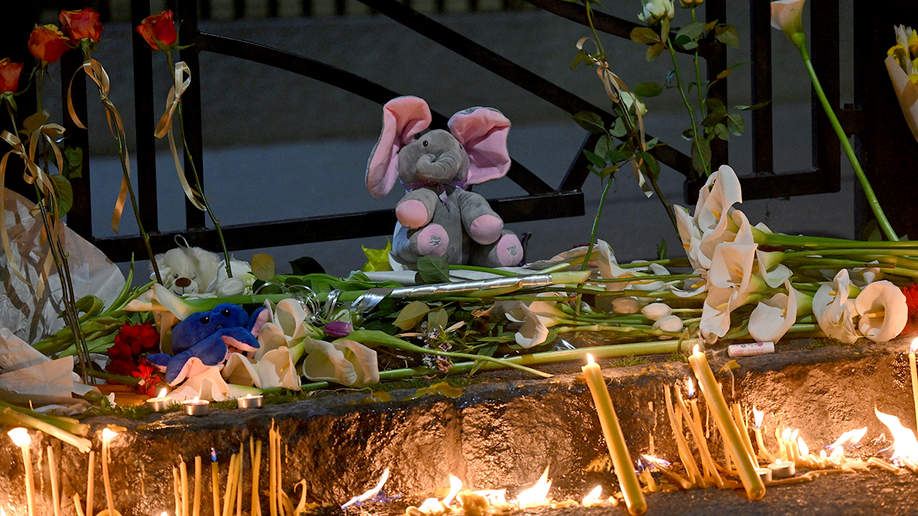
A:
[542,200]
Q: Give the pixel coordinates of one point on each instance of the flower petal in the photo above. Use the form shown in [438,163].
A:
[883,311]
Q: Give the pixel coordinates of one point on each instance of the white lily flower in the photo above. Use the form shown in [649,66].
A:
[207,384]
[787,15]
[536,317]
[609,268]
[833,309]
[345,361]
[656,10]
[770,268]
[883,311]
[656,311]
[715,221]
[286,326]
[771,318]
[276,368]
[715,313]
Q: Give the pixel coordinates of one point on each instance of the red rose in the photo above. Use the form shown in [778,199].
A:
[9,75]
[148,380]
[139,338]
[48,44]
[81,24]
[158,30]
[121,367]
[911,301]
[120,351]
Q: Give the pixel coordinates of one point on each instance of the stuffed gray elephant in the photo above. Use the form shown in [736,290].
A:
[437,216]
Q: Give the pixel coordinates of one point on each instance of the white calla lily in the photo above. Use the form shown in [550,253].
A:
[834,310]
[715,313]
[770,268]
[536,318]
[787,15]
[206,385]
[771,318]
[286,326]
[344,361]
[609,268]
[883,311]
[276,368]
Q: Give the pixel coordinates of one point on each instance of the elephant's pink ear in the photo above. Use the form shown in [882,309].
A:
[483,134]
[403,117]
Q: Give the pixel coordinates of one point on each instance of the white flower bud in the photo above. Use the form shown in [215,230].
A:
[656,311]
[670,323]
[626,305]
[656,10]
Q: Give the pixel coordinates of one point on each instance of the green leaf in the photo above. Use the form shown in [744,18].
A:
[701,157]
[651,164]
[486,351]
[690,45]
[603,146]
[688,134]
[724,73]
[433,269]
[712,119]
[753,107]
[73,163]
[715,106]
[598,161]
[64,194]
[661,250]
[606,172]
[619,129]
[263,266]
[411,315]
[578,58]
[710,25]
[736,124]
[616,156]
[306,265]
[727,35]
[644,35]
[377,259]
[648,89]
[654,51]
[720,131]
[437,319]
[590,121]
[692,31]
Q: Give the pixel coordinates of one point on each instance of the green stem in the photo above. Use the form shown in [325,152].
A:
[800,43]
[197,179]
[602,202]
[696,137]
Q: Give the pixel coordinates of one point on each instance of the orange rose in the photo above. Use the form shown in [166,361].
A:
[158,30]
[81,24]
[9,75]
[48,44]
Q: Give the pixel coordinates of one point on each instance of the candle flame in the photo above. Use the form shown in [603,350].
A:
[249,396]
[758,415]
[778,462]
[108,434]
[696,349]
[905,446]
[690,387]
[785,435]
[495,497]
[794,434]
[369,495]
[432,506]
[652,462]
[850,438]
[537,494]
[20,436]
[914,347]
[822,454]
[454,486]
[213,455]
[196,400]
[838,451]
[162,393]
[592,498]
[589,358]
[801,445]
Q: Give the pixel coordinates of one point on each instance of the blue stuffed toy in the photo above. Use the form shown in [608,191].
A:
[205,339]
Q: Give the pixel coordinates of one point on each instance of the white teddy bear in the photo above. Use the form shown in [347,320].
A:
[193,271]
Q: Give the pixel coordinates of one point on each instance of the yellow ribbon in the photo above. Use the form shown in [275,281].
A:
[164,128]
[33,174]
[98,75]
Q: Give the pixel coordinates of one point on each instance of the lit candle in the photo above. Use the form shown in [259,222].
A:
[717,406]
[161,402]
[250,401]
[615,440]
[911,365]
[107,435]
[764,474]
[197,407]
[215,480]
[764,454]
[196,507]
[52,469]
[21,438]
[782,469]
[90,481]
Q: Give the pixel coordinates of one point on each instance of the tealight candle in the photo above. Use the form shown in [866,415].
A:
[197,407]
[782,469]
[250,401]
[161,402]
[764,474]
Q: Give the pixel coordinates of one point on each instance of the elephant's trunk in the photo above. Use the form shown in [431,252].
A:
[439,168]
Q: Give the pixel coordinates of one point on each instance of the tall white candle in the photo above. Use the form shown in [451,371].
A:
[21,438]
